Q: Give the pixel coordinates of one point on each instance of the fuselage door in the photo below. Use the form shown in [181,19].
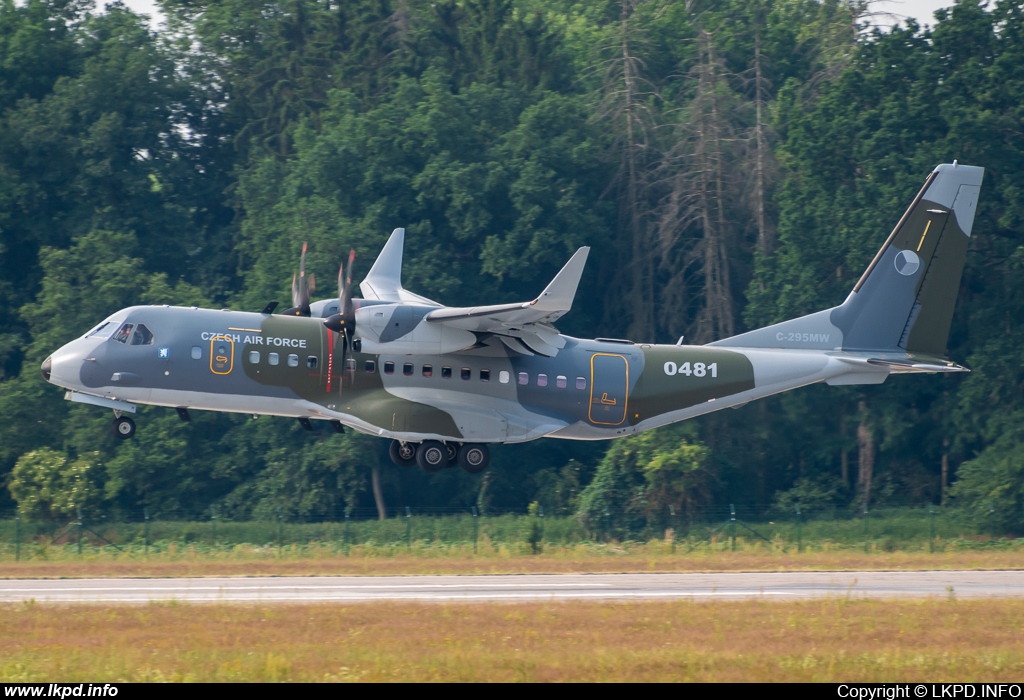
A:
[609,389]
[222,354]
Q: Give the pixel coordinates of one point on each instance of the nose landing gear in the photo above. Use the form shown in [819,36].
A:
[123,427]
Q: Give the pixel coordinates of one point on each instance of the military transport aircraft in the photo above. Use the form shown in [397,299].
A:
[443,383]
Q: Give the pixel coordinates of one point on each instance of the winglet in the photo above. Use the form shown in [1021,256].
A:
[384,280]
[561,291]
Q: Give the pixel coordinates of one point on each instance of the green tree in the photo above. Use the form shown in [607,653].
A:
[47,485]
[641,476]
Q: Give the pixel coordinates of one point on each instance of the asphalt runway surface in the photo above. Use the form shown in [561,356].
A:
[518,588]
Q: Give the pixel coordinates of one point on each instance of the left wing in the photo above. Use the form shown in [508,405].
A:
[525,326]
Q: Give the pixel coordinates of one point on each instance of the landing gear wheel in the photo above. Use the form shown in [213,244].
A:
[453,453]
[432,456]
[474,458]
[403,454]
[123,427]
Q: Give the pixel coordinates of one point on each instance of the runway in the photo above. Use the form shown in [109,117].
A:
[519,588]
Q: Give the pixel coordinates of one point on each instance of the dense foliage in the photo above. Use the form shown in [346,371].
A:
[732,163]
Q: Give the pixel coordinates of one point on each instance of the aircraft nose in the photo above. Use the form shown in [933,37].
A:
[46,367]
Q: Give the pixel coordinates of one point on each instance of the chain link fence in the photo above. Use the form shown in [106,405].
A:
[720,528]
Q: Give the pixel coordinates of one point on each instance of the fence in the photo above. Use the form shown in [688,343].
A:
[905,528]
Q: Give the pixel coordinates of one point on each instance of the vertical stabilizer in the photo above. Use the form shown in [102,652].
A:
[904,300]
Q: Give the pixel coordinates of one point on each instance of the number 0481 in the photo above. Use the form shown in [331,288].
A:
[699,369]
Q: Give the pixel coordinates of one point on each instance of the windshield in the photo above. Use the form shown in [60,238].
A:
[123,332]
[104,330]
[143,336]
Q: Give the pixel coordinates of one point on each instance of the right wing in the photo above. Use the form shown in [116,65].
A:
[524,323]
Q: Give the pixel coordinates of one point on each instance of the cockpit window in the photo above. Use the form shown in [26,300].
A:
[142,336]
[104,330]
[123,332]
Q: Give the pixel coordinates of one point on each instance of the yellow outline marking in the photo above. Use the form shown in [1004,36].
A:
[926,227]
[625,401]
[230,359]
[249,330]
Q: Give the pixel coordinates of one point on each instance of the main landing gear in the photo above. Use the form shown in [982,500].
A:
[433,456]
[123,427]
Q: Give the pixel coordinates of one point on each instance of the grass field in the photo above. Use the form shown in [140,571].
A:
[251,561]
[831,640]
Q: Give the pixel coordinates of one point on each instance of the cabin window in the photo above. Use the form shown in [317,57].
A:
[370,366]
[197,352]
[254,357]
[350,365]
[466,373]
[542,380]
[446,372]
[503,377]
[293,360]
[428,370]
[485,375]
[581,383]
[561,382]
[524,378]
[407,369]
[311,362]
[389,367]
[123,332]
[142,336]
[273,359]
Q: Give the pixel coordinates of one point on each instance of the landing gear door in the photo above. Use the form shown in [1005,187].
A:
[609,389]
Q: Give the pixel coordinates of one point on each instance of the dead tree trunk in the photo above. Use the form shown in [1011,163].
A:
[378,494]
[763,244]
[866,455]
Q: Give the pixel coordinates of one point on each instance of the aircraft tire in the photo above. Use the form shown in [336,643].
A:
[123,427]
[402,455]
[432,456]
[474,458]
[453,453]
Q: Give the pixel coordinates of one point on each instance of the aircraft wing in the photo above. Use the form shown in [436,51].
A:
[384,280]
[525,327]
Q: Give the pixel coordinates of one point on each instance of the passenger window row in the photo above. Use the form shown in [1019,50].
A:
[273,358]
[409,369]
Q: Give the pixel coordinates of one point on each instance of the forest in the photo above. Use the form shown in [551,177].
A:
[732,163]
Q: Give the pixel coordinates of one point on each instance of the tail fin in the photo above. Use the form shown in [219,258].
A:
[904,300]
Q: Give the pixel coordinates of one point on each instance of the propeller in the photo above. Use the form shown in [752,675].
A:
[344,322]
[301,289]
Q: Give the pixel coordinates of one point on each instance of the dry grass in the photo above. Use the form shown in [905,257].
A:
[243,561]
[831,640]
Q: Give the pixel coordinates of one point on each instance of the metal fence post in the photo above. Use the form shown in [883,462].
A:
[79,530]
[931,527]
[408,528]
[213,518]
[145,515]
[476,530]
[732,525]
[348,512]
[672,522]
[867,546]
[799,530]
[540,512]
[280,533]
[17,537]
